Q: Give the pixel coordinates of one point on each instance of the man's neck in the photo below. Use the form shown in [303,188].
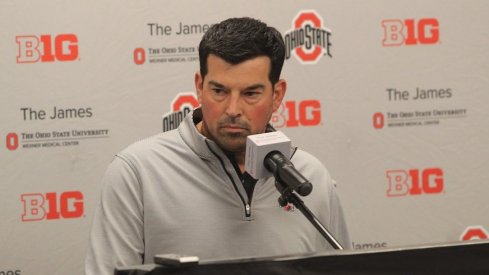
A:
[240,160]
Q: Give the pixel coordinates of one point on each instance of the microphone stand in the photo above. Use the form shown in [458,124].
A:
[288,196]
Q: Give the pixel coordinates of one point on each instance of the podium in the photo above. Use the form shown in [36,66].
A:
[457,258]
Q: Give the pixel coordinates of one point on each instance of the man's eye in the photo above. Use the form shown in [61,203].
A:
[218,91]
[252,94]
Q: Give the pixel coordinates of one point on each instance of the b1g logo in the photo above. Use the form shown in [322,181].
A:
[47,48]
[295,114]
[474,233]
[52,206]
[12,141]
[308,40]
[410,32]
[414,182]
[181,105]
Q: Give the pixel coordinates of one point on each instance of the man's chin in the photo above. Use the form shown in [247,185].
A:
[234,146]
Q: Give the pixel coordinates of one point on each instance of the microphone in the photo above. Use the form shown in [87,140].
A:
[268,154]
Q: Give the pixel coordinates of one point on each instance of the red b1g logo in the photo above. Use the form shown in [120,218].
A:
[409,32]
[47,48]
[295,114]
[414,182]
[52,206]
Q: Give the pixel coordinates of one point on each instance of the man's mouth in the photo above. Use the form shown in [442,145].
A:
[233,128]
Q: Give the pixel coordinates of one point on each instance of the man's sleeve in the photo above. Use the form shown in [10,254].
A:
[337,220]
[116,237]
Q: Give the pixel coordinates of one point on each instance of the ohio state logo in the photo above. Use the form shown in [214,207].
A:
[139,56]
[12,141]
[47,48]
[308,40]
[474,233]
[378,120]
[181,105]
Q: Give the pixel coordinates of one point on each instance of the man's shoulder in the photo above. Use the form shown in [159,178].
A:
[310,165]
[301,157]
[157,143]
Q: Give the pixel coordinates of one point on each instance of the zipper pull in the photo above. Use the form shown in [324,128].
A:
[248,210]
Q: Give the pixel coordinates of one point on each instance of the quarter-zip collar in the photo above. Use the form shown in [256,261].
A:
[209,150]
[197,142]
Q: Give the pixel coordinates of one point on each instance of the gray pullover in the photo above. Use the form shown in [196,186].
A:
[177,192]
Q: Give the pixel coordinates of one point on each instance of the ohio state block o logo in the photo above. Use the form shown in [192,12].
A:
[316,22]
[184,99]
[474,233]
[308,39]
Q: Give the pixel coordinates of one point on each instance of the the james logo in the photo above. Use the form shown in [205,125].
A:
[47,48]
[181,105]
[308,40]
[409,32]
[52,206]
[409,182]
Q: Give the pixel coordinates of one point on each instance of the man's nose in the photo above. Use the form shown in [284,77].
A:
[233,108]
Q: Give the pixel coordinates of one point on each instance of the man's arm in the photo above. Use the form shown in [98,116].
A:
[337,219]
[116,237]
[324,190]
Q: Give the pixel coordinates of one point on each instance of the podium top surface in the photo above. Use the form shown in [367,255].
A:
[452,258]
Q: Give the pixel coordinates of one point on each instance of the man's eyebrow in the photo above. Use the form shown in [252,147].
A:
[255,87]
[251,87]
[217,84]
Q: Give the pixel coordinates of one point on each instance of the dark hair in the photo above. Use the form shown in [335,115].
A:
[239,39]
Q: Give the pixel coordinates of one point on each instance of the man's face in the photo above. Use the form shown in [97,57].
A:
[237,100]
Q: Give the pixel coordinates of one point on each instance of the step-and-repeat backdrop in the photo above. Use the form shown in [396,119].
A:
[390,95]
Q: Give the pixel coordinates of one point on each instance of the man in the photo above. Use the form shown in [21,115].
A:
[186,191]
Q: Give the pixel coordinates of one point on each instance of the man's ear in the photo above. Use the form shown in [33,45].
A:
[199,84]
[279,93]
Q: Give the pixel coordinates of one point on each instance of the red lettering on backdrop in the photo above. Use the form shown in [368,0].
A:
[64,205]
[409,32]
[409,182]
[293,114]
[31,49]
